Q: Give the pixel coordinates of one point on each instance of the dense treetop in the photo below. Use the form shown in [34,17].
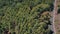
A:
[25,16]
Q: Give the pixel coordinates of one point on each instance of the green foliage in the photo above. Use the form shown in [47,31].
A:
[24,16]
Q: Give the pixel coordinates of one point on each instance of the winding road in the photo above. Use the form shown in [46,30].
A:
[54,15]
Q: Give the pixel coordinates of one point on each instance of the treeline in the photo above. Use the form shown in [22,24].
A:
[25,16]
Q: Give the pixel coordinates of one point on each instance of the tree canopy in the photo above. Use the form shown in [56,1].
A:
[25,16]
